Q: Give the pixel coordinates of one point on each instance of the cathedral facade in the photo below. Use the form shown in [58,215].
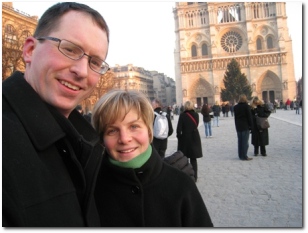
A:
[210,34]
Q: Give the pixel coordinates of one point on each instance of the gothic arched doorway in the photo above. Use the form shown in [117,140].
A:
[270,88]
[202,93]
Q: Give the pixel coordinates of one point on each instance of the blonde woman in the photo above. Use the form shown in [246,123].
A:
[259,137]
[189,141]
[135,187]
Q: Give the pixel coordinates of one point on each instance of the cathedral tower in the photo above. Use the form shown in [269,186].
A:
[209,35]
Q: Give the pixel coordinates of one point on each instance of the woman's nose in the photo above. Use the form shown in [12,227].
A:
[125,136]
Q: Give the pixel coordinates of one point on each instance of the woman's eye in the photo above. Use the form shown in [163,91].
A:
[134,126]
[111,131]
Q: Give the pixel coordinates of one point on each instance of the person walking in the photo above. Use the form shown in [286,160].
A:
[161,144]
[187,133]
[260,137]
[270,106]
[275,106]
[243,124]
[227,109]
[296,106]
[50,154]
[205,111]
[281,104]
[232,109]
[170,112]
[135,187]
[288,103]
[216,110]
[223,109]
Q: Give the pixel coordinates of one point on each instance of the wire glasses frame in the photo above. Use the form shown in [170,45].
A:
[74,52]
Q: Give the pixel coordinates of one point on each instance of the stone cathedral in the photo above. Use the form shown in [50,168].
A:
[210,34]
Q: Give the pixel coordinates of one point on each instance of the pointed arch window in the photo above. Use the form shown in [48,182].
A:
[269,42]
[204,50]
[191,21]
[259,44]
[193,51]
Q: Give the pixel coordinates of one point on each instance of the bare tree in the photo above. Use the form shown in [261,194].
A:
[105,83]
[13,38]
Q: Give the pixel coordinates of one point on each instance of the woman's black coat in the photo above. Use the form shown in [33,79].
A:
[154,195]
[260,137]
[189,141]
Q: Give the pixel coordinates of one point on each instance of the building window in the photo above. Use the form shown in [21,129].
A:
[204,50]
[202,18]
[229,13]
[26,34]
[194,51]
[190,20]
[10,34]
[270,42]
[259,44]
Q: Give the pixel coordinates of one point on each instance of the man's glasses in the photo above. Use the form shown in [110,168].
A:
[74,52]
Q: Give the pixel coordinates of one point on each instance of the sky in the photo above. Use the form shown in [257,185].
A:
[142,33]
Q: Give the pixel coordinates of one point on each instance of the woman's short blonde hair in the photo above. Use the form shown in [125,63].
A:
[188,105]
[110,107]
[242,98]
[256,101]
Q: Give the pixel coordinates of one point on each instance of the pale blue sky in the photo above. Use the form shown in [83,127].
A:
[142,33]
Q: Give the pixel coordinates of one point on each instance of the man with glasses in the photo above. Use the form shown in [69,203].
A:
[50,153]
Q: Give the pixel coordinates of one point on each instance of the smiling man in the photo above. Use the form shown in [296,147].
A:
[51,154]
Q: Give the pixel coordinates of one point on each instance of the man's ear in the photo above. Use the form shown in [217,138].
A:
[28,49]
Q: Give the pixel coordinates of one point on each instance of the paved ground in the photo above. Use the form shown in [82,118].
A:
[264,192]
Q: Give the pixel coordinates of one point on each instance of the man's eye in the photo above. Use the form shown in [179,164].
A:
[96,62]
[69,50]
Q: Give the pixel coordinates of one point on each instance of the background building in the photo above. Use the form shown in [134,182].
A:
[152,83]
[209,35]
[16,27]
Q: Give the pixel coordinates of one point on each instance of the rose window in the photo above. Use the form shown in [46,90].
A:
[231,41]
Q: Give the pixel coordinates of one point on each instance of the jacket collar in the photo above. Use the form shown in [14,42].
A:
[42,126]
[145,174]
[36,121]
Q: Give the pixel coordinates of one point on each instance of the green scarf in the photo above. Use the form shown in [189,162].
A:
[136,162]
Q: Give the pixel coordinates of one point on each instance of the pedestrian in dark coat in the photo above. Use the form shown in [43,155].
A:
[227,109]
[260,137]
[216,110]
[243,124]
[232,109]
[188,136]
[205,111]
[223,107]
[135,187]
